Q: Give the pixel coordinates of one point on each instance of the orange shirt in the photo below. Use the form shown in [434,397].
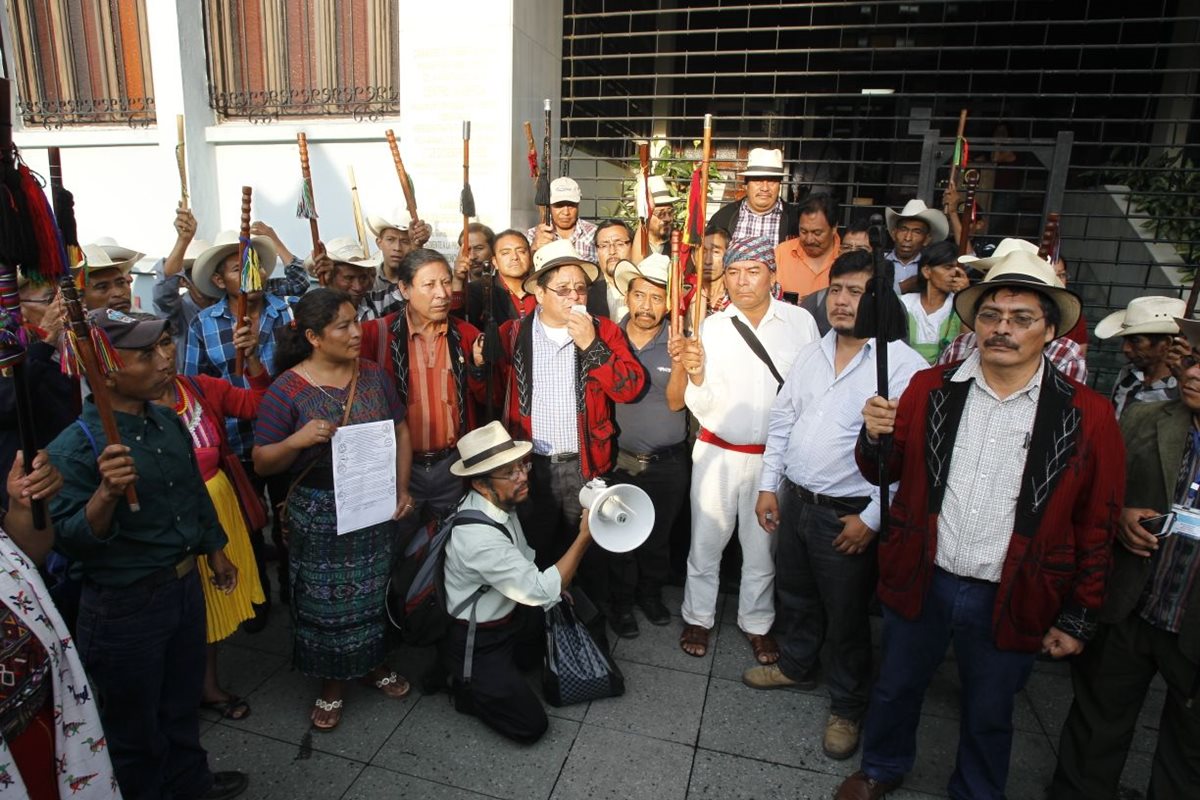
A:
[797,272]
[432,398]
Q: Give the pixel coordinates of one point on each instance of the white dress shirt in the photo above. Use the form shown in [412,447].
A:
[817,416]
[479,555]
[734,402]
[554,422]
[980,505]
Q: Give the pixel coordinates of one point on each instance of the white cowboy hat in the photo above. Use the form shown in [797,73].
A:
[377,225]
[487,448]
[655,268]
[1190,328]
[346,250]
[558,253]
[224,245]
[106,254]
[1021,270]
[660,193]
[564,190]
[194,249]
[1151,314]
[1005,247]
[763,163]
[939,226]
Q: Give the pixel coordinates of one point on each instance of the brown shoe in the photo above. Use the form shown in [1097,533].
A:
[841,737]
[859,787]
[767,676]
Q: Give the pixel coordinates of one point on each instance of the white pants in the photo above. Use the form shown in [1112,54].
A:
[724,491]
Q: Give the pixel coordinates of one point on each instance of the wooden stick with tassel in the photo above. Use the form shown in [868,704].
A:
[307,207]
[83,348]
[701,293]
[467,201]
[251,278]
[406,184]
[181,160]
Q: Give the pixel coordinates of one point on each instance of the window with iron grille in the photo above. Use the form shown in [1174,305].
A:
[82,63]
[1067,103]
[302,58]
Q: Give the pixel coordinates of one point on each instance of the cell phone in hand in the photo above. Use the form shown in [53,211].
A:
[1159,526]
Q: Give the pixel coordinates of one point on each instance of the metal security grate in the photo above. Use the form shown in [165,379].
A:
[849,90]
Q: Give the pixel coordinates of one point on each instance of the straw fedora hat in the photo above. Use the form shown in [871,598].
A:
[1151,314]
[105,253]
[655,268]
[224,245]
[1021,270]
[1005,247]
[558,253]
[763,163]
[487,448]
[660,193]
[939,226]
[346,250]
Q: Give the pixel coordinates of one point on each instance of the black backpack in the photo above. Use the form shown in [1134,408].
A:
[416,591]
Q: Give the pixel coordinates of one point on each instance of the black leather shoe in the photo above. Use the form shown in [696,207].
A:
[227,785]
[624,623]
[654,609]
[258,622]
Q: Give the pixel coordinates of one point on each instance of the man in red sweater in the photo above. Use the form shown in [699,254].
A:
[1011,479]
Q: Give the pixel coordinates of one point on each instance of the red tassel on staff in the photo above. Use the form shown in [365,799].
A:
[52,259]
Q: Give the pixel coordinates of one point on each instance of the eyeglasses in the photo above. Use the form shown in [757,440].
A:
[518,471]
[1020,321]
[579,289]
[614,244]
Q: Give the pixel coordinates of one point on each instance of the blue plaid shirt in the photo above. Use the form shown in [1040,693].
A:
[210,351]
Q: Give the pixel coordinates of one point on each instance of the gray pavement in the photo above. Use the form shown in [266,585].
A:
[686,728]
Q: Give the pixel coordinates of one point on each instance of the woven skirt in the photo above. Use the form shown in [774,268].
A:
[227,611]
[338,588]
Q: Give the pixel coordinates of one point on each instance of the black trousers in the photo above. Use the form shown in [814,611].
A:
[551,523]
[643,572]
[498,693]
[1111,677]
[274,488]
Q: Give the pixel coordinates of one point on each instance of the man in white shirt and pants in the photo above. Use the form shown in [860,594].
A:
[507,637]
[823,512]
[730,391]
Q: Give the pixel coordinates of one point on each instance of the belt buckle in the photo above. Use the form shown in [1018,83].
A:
[184,566]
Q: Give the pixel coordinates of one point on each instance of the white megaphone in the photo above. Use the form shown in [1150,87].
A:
[621,516]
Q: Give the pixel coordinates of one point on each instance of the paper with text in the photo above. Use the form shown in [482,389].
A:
[364,474]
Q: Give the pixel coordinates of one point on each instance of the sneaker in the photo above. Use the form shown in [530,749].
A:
[227,785]
[623,622]
[655,610]
[841,737]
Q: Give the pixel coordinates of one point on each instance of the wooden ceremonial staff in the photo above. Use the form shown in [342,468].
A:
[308,203]
[541,197]
[967,219]
[959,141]
[644,161]
[1048,248]
[358,215]
[467,201]
[410,195]
[675,284]
[243,246]
[702,284]
[181,159]
[85,351]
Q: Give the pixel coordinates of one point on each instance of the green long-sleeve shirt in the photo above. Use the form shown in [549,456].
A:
[176,516]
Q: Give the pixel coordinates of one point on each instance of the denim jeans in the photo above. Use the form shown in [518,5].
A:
[144,650]
[959,610]
[823,595]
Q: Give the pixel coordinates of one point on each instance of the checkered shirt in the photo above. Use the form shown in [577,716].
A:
[750,225]
[554,416]
[583,239]
[1063,353]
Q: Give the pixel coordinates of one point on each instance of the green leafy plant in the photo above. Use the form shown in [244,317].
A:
[678,174]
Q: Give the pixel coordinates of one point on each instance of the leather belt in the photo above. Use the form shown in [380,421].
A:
[706,435]
[658,455]
[431,457]
[558,458]
[845,505]
[496,623]
[165,574]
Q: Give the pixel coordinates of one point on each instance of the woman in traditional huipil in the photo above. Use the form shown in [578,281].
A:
[338,582]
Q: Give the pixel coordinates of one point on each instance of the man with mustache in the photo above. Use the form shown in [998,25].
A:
[565,222]
[823,512]
[663,203]
[1000,535]
[1151,615]
[804,262]
[652,445]
[614,245]
[760,213]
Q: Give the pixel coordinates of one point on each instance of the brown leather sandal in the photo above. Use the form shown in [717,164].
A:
[695,637]
[766,649]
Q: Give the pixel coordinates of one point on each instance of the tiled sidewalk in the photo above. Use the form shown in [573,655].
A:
[686,728]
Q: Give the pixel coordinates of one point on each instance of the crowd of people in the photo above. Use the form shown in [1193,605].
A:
[1029,516]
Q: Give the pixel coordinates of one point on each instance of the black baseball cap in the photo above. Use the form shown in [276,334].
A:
[125,332]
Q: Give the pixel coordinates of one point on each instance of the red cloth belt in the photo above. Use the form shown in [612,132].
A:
[706,435]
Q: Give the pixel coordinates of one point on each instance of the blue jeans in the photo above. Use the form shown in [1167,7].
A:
[144,650]
[959,610]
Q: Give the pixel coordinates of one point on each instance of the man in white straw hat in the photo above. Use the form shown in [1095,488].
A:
[481,555]
[1151,614]
[565,223]
[344,266]
[760,213]
[1000,534]
[395,240]
[1146,327]
[911,228]
[661,218]
[652,445]
[103,277]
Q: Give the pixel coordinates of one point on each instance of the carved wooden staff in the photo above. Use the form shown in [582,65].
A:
[675,284]
[467,200]
[541,197]
[85,351]
[356,204]
[307,207]
[960,149]
[967,220]
[647,199]
[406,184]
[1048,247]
[181,159]
[702,282]
[251,276]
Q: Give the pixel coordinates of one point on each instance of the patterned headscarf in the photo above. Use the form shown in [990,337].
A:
[760,249]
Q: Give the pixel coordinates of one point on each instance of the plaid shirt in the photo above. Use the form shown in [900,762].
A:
[750,225]
[1131,388]
[1064,354]
[583,239]
[210,351]
[554,418]
[379,302]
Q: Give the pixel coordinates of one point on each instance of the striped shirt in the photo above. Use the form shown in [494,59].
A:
[1131,388]
[750,225]
[554,418]
[432,399]
[984,481]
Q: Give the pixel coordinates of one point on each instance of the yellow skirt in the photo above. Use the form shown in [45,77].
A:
[227,611]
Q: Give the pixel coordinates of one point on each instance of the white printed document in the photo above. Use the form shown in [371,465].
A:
[364,474]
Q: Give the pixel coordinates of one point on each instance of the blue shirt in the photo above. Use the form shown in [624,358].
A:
[210,351]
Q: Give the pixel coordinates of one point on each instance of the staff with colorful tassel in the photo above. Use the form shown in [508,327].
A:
[306,207]
[251,277]
[86,349]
